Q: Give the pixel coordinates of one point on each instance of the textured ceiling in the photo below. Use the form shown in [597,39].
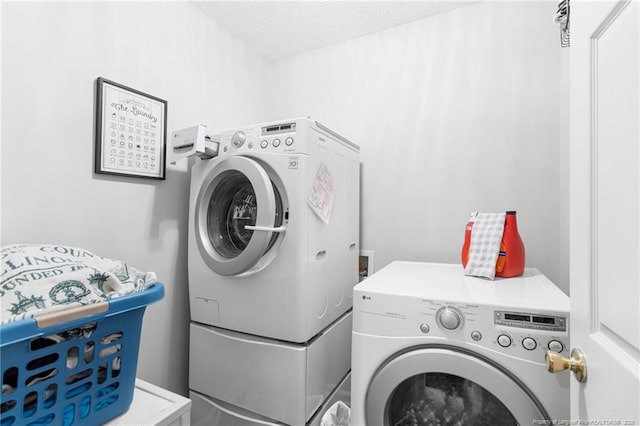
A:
[277,29]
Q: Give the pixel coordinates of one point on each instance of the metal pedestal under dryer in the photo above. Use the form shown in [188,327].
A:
[238,376]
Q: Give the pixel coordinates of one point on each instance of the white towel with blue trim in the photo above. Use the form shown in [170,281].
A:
[42,278]
[486,236]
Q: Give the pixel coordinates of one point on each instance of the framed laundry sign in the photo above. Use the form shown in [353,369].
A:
[131,132]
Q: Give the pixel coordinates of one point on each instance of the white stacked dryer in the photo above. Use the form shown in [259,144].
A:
[273,254]
[434,346]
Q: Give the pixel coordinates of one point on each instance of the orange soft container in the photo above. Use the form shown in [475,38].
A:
[511,259]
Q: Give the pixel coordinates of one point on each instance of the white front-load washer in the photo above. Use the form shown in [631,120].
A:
[273,254]
[433,346]
[274,230]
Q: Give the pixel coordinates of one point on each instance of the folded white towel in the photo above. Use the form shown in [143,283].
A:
[486,236]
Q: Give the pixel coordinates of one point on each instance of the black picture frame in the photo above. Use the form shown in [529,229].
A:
[131,132]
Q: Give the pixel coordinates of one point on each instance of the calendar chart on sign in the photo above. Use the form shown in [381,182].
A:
[133,133]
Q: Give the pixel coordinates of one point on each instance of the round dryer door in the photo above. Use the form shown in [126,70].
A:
[238,215]
[445,385]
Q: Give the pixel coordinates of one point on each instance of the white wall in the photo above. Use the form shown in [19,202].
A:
[459,112]
[51,56]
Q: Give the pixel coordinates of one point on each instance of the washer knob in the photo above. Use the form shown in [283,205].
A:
[449,318]
[504,340]
[529,343]
[238,139]
[556,346]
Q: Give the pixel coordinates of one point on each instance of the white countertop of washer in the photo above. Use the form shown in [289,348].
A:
[447,282]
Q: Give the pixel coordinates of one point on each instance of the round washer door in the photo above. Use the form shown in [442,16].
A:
[238,215]
[446,385]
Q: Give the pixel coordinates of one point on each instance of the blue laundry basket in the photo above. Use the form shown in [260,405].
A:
[73,367]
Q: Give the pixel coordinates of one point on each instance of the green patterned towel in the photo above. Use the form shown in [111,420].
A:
[38,279]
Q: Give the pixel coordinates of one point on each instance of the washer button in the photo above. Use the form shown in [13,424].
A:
[264,144]
[424,328]
[276,142]
[476,335]
[556,346]
[529,344]
[288,141]
[504,340]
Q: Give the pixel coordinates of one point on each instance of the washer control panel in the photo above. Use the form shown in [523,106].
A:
[285,137]
[531,320]
[276,135]
[522,333]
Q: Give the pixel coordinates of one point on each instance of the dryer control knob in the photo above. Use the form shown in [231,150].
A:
[238,139]
[449,318]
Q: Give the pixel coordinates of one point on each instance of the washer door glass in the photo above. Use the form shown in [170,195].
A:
[445,399]
[447,385]
[233,206]
[238,215]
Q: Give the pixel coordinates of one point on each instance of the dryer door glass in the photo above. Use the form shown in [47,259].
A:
[448,385]
[446,399]
[232,207]
[238,215]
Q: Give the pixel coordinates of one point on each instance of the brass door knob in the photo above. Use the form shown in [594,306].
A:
[576,363]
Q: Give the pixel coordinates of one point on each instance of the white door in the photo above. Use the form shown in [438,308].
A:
[605,216]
